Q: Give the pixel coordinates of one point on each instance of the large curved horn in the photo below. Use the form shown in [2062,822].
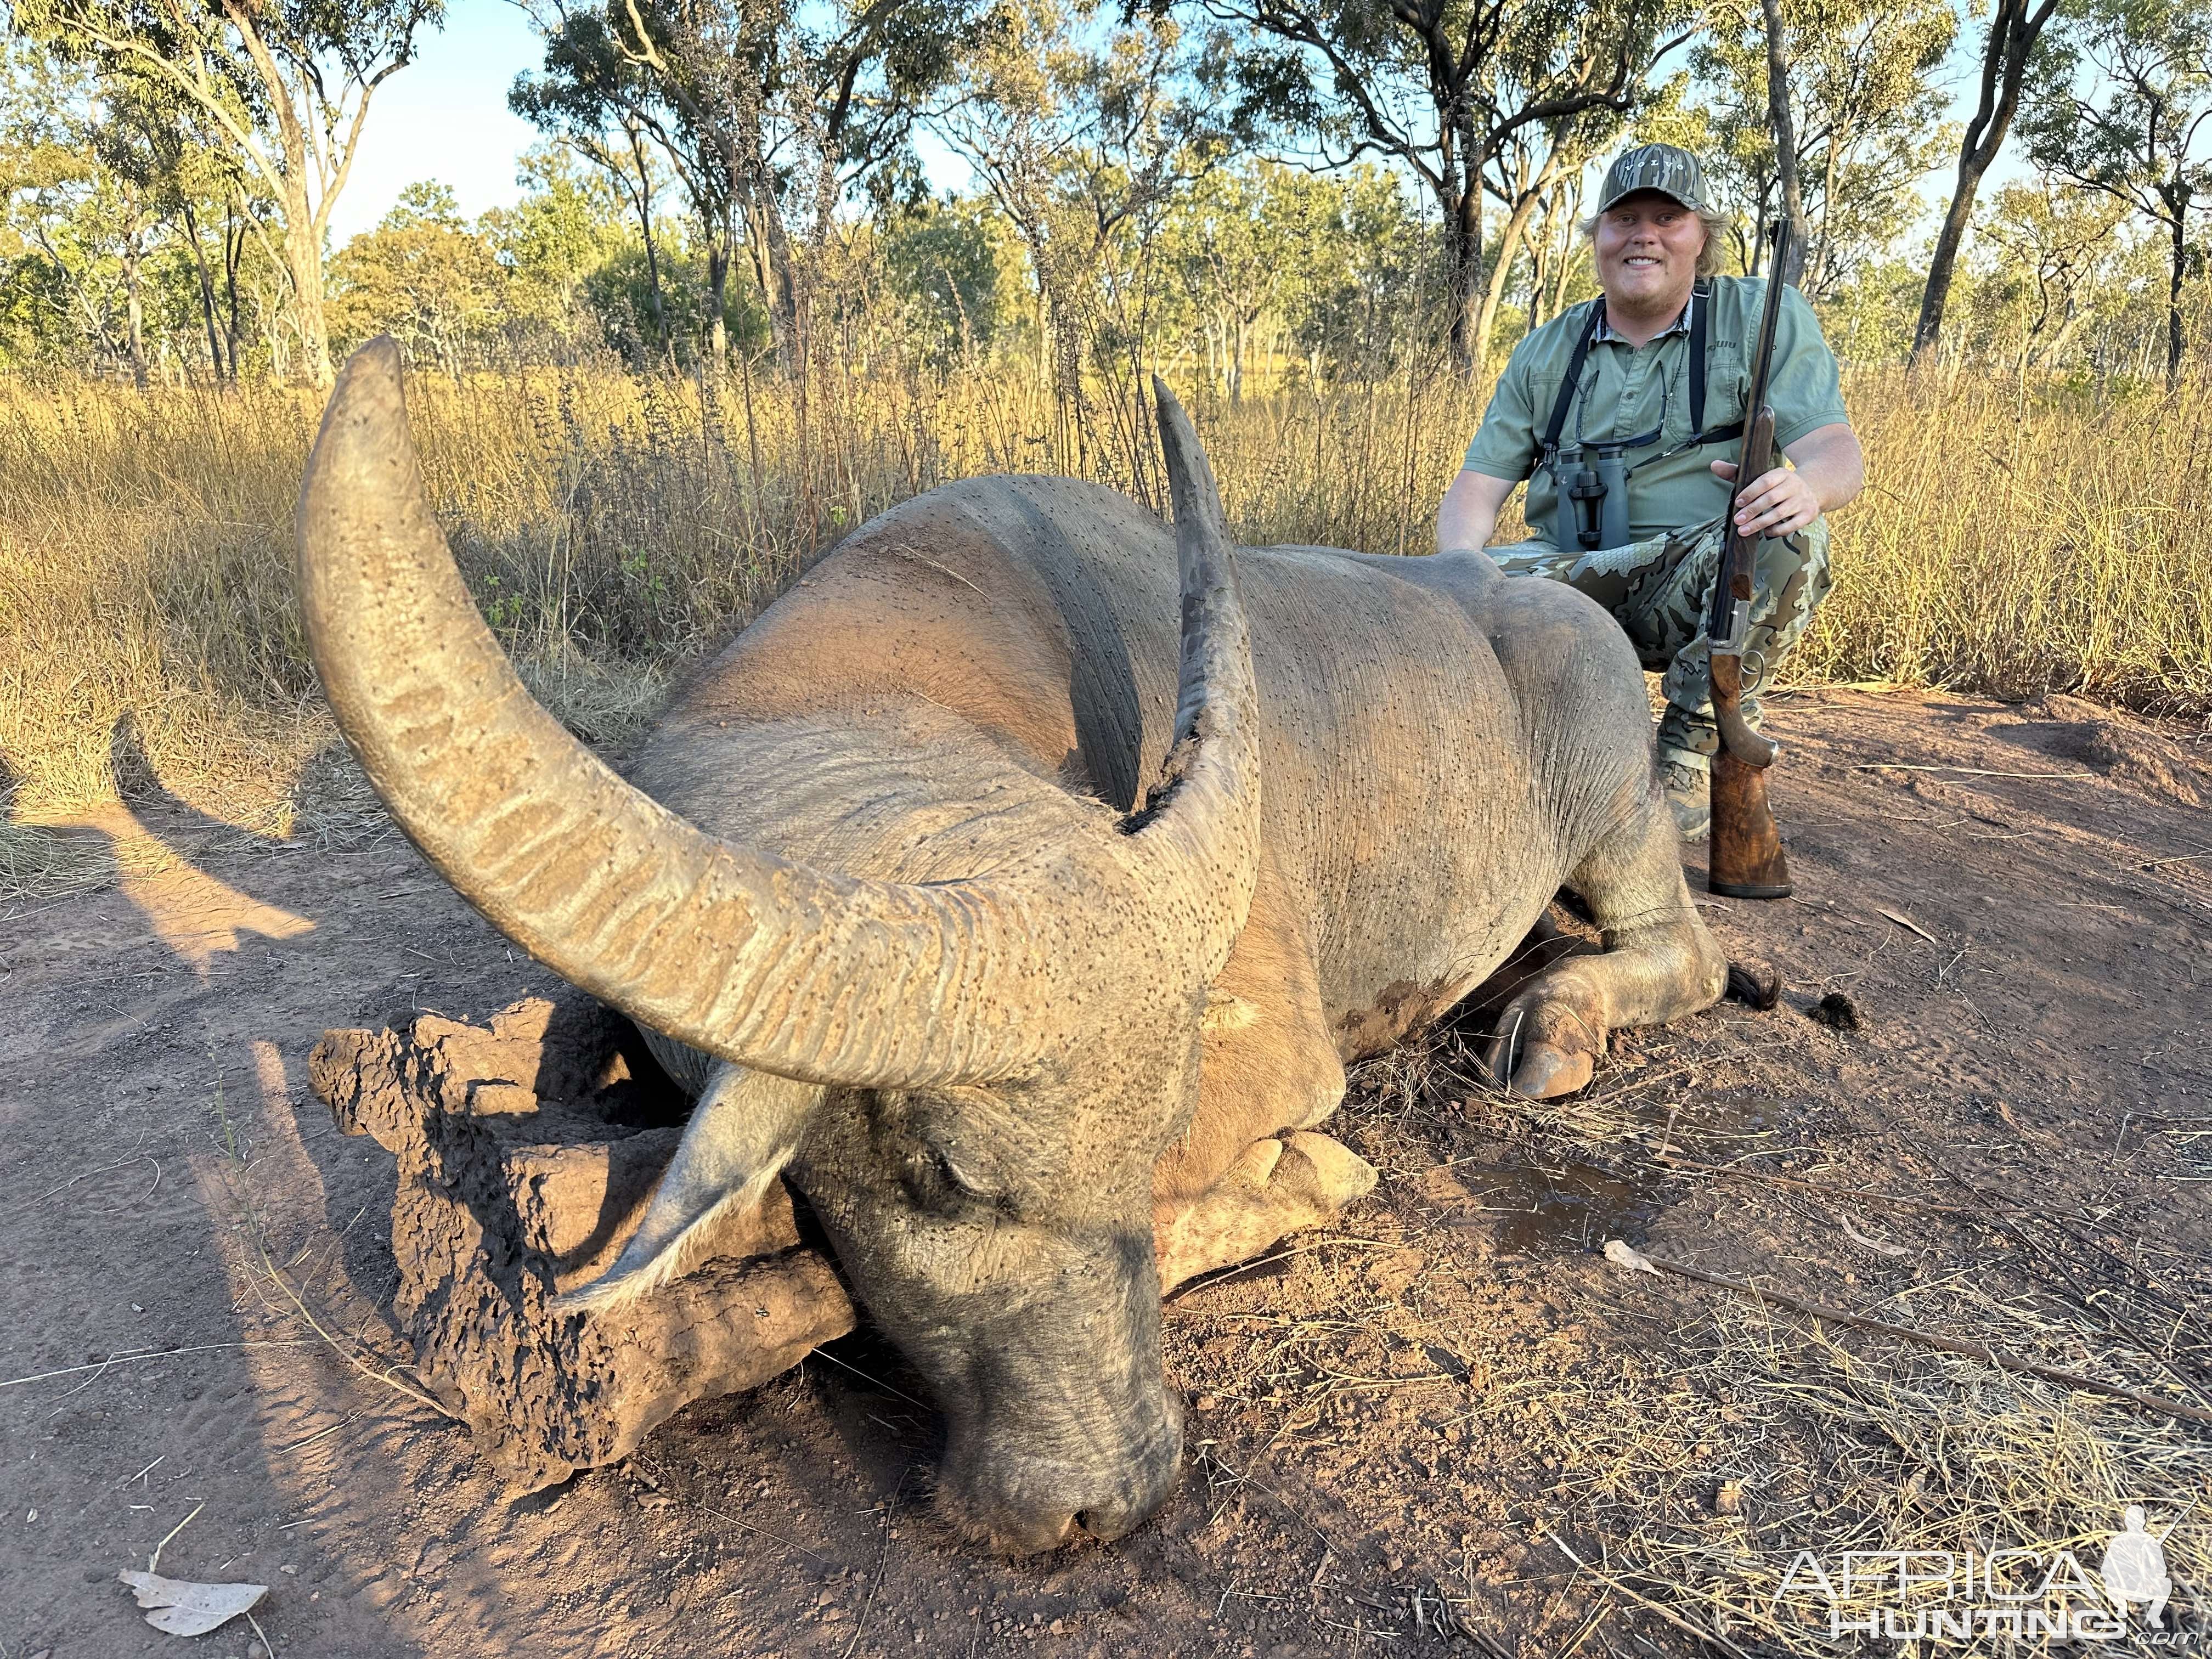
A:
[1200,825]
[783,969]
[817,977]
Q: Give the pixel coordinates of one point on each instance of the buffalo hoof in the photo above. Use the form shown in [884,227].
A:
[1543,1050]
[1546,1073]
[1274,1188]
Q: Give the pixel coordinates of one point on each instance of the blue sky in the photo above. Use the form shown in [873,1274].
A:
[445,117]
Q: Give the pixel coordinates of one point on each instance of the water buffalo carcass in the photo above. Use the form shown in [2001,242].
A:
[1018,885]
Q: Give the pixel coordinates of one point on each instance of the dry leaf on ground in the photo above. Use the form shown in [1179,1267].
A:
[183,1608]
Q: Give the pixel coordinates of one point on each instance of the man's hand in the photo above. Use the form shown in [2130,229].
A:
[1777,503]
[1826,471]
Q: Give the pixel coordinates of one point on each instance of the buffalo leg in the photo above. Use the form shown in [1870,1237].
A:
[1275,1187]
[1658,964]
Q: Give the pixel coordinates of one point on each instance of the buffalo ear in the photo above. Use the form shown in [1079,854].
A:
[743,1131]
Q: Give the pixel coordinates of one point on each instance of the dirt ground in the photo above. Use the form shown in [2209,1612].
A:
[1399,1429]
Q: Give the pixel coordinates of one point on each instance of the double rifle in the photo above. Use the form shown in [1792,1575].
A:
[1745,858]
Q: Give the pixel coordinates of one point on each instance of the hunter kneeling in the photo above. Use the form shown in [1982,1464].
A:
[1621,397]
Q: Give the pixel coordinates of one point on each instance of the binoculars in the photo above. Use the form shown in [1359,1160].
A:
[1593,498]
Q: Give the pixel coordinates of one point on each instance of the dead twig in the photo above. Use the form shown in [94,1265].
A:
[154,1353]
[1965,771]
[153,1561]
[872,1382]
[1907,923]
[388,1376]
[1644,1602]
[883,1563]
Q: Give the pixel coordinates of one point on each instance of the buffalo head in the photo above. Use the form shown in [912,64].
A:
[970,1076]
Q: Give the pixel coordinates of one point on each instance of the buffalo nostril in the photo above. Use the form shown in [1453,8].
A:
[1107,1524]
[1032,1536]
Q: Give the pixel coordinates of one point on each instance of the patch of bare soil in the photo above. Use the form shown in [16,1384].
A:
[1450,1424]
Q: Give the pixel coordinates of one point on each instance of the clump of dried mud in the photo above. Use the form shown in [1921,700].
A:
[526,1151]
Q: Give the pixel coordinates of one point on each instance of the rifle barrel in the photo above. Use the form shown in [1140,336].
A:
[1748,465]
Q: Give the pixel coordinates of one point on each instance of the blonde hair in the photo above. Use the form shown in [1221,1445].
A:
[1709,256]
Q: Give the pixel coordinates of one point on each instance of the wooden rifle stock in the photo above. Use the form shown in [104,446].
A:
[1745,859]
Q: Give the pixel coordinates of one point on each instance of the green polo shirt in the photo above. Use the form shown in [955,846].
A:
[1625,388]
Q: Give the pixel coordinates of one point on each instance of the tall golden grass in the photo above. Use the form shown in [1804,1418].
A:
[2012,539]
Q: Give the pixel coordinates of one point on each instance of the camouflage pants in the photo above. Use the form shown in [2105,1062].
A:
[1658,590]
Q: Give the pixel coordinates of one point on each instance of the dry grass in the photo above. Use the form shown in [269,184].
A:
[2017,542]
[2012,542]
[1692,1447]
[1741,1437]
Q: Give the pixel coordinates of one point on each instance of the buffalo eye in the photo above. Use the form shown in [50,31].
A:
[934,1182]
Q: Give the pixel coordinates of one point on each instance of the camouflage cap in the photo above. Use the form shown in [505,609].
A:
[1668,168]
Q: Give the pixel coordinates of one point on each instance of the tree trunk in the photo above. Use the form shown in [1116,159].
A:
[645,229]
[1463,257]
[1463,267]
[718,288]
[1539,257]
[234,252]
[1570,204]
[2180,223]
[2013,34]
[1942,264]
[134,311]
[653,299]
[303,260]
[1509,245]
[774,258]
[1785,137]
[207,292]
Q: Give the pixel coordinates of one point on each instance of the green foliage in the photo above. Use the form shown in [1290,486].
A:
[424,276]
[1867,112]
[950,262]
[1084,136]
[721,179]
[278,89]
[1357,268]
[2123,107]
[617,296]
[568,224]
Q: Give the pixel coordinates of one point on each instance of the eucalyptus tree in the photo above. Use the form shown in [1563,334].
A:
[284,86]
[1084,132]
[1441,87]
[2122,100]
[1863,117]
[2014,28]
[761,108]
[1528,169]
[2063,255]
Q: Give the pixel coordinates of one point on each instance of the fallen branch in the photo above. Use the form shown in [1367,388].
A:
[1965,771]
[1619,1252]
